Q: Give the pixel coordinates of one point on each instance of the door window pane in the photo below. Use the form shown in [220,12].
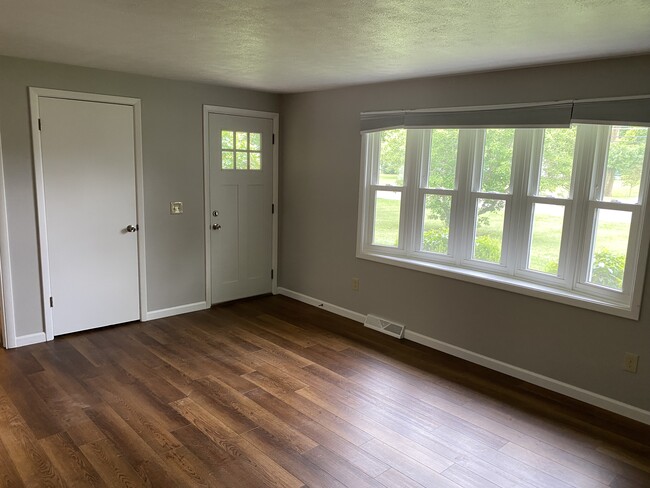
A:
[442,160]
[557,163]
[391,157]
[255,160]
[607,264]
[625,156]
[546,238]
[255,141]
[242,160]
[497,160]
[387,215]
[488,235]
[242,140]
[435,229]
[227,138]
[227,160]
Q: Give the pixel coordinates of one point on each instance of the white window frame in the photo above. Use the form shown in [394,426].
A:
[570,286]
[566,265]
[374,187]
[637,210]
[423,139]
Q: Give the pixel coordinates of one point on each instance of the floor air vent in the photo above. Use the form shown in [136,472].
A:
[385,326]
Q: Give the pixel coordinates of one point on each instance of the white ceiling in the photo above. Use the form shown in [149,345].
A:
[299,45]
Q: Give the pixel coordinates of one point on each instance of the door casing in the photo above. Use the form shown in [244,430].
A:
[8,322]
[275,117]
[34,95]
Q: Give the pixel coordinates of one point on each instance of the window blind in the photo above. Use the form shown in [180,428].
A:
[557,114]
[553,114]
[633,111]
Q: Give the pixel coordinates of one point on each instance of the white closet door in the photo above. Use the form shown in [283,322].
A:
[88,156]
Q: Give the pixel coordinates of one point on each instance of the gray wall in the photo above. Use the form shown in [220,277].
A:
[172,135]
[318,226]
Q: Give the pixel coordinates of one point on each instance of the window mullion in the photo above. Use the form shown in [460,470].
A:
[565,269]
[600,144]
[412,181]
[632,250]
[514,218]
[372,147]
[641,244]
[462,218]
[529,185]
[645,173]
[370,224]
[581,225]
[422,172]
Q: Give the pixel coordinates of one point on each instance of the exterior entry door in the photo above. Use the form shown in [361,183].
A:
[241,197]
[89,186]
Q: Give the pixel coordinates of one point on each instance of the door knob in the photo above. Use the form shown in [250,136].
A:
[131,228]
[216,226]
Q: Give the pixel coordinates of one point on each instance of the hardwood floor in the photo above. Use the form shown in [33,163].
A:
[272,392]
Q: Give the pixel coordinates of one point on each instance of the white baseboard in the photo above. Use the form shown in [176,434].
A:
[321,304]
[551,384]
[566,389]
[168,312]
[28,339]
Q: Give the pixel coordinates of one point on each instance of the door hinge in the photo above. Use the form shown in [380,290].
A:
[273,139]
[39,124]
[51,302]
[273,208]
[271,274]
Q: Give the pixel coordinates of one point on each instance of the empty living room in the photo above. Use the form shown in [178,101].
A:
[277,243]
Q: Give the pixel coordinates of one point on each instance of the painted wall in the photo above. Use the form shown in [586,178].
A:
[172,137]
[318,224]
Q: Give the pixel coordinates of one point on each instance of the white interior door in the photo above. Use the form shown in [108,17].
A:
[89,182]
[241,195]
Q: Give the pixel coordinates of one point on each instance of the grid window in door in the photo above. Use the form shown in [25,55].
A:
[241,150]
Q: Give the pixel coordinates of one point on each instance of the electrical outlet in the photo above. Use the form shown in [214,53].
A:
[631,362]
[176,208]
[355,284]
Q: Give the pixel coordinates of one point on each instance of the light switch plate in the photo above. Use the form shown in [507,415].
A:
[176,208]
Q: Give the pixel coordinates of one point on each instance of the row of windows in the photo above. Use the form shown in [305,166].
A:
[561,208]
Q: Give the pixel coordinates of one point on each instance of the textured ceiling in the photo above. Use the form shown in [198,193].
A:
[294,45]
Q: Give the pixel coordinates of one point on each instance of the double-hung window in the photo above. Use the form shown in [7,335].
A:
[526,199]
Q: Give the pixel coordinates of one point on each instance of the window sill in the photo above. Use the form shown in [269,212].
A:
[508,283]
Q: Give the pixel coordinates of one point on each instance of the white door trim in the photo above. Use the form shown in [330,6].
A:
[275,117]
[34,94]
[9,329]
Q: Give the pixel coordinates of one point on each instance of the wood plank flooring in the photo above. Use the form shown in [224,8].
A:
[272,392]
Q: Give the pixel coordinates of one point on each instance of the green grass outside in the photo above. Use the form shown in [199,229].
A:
[625,194]
[393,180]
[386,223]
